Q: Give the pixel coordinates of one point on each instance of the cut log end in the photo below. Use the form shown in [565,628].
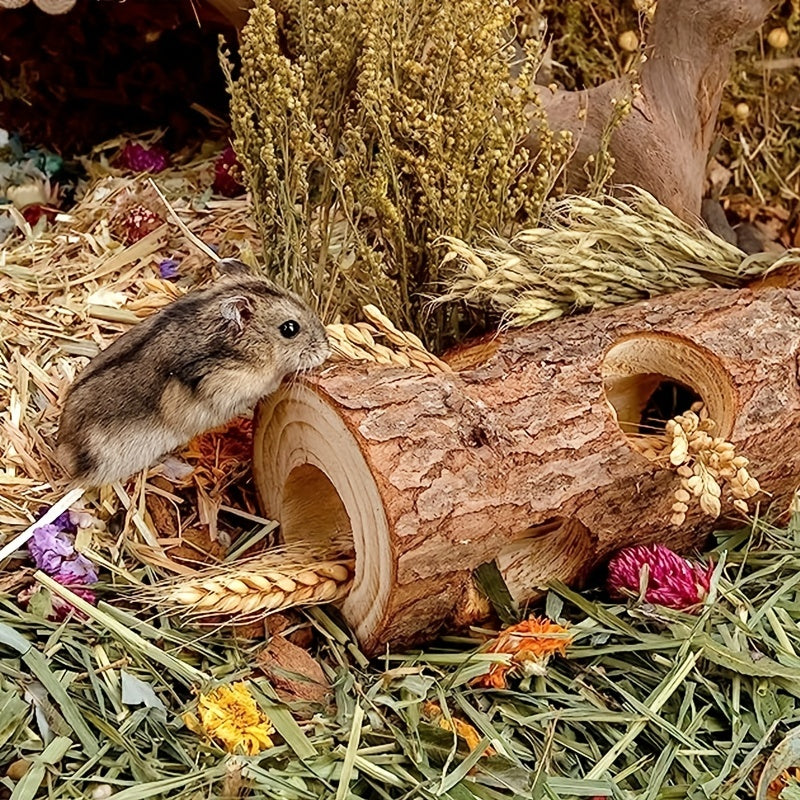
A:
[311,475]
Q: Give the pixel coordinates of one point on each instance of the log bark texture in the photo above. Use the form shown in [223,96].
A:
[520,456]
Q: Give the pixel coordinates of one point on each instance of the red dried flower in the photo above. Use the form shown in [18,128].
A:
[225,170]
[672,581]
[135,222]
[36,211]
[138,158]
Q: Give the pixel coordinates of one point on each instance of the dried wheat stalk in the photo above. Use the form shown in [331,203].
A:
[706,464]
[248,590]
[357,343]
[592,253]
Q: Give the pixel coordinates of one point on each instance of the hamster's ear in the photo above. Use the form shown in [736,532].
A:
[233,267]
[236,311]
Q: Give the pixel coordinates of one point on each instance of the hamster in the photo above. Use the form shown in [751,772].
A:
[193,365]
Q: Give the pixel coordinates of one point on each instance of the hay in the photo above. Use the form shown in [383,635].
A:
[591,253]
[647,702]
[68,290]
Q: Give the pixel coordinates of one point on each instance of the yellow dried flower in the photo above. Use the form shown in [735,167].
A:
[462,729]
[229,715]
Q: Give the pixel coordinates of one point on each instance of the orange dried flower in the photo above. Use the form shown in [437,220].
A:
[785,779]
[531,644]
[216,453]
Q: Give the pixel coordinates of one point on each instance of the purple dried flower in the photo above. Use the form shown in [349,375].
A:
[63,521]
[138,158]
[77,570]
[168,268]
[49,546]
[672,581]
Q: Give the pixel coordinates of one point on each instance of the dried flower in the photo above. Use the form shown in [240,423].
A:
[59,608]
[77,570]
[225,170]
[64,522]
[230,716]
[672,581]
[48,547]
[168,268]
[789,777]
[462,729]
[136,223]
[708,466]
[532,643]
[33,213]
[53,551]
[215,453]
[138,158]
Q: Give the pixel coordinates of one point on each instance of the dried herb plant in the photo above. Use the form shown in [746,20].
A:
[366,130]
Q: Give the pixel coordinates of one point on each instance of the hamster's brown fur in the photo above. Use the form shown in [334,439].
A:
[190,367]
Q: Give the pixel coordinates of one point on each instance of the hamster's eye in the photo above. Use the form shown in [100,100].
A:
[289,329]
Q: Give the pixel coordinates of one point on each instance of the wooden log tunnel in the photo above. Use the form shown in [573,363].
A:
[522,456]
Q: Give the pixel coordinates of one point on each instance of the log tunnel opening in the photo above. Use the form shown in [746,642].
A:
[649,378]
[559,547]
[311,476]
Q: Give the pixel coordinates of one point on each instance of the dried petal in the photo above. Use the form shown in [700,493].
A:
[671,580]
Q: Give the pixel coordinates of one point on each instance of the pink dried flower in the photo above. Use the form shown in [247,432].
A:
[138,158]
[672,581]
[59,608]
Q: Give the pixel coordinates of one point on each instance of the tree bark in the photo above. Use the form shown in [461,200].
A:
[521,456]
[663,144]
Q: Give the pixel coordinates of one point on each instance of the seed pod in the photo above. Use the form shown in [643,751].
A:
[680,448]
[336,572]
[281,581]
[695,485]
[710,505]
[778,38]
[307,578]
[741,112]
[258,582]
[628,41]
[186,597]
[237,586]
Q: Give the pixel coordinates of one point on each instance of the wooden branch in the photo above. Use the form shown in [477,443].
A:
[522,456]
[663,144]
